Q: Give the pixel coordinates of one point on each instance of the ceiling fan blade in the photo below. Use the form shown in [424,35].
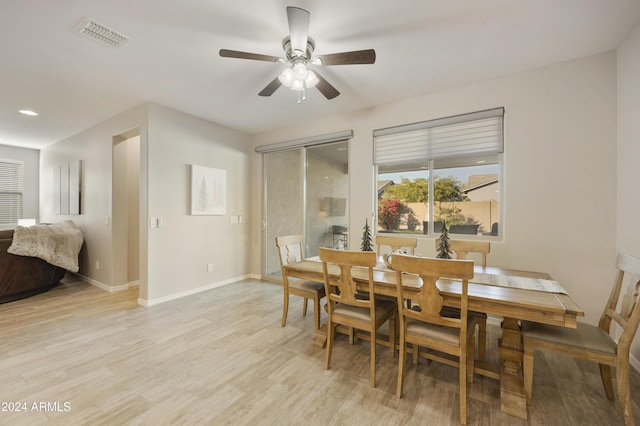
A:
[298,29]
[225,53]
[349,58]
[326,88]
[271,87]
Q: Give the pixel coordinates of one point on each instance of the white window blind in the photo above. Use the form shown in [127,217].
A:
[10,191]
[477,133]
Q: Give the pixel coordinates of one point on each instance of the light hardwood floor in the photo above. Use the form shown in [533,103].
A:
[221,357]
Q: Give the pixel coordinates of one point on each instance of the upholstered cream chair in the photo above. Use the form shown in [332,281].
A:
[427,328]
[290,249]
[346,308]
[595,343]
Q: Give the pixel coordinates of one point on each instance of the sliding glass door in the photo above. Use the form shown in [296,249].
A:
[284,196]
[306,192]
[327,192]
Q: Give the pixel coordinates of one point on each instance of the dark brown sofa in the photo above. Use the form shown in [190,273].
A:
[22,276]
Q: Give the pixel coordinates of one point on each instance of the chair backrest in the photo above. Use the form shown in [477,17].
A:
[462,248]
[341,288]
[290,249]
[396,243]
[625,312]
[429,299]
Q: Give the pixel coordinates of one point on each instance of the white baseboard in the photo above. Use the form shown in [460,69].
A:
[103,286]
[174,296]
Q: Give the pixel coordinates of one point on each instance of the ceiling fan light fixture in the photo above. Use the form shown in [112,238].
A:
[311,80]
[286,77]
[297,85]
[298,54]
[300,71]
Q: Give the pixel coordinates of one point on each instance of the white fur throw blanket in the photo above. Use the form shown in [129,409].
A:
[57,244]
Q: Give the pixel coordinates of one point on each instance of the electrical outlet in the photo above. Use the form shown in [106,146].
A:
[209,267]
[97,264]
[153,222]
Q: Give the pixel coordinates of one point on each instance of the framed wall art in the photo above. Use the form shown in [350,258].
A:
[208,191]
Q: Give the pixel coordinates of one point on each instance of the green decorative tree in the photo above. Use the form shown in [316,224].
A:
[444,248]
[366,237]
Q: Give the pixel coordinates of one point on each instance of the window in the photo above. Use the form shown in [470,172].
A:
[10,192]
[457,159]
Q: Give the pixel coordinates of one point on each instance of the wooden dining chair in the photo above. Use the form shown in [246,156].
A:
[290,249]
[347,309]
[595,343]
[396,243]
[427,328]
[461,249]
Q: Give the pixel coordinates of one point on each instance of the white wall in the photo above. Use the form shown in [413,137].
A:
[628,201]
[30,176]
[180,251]
[560,150]
[177,254]
[94,148]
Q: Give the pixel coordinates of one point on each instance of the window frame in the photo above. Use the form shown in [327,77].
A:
[12,187]
[425,157]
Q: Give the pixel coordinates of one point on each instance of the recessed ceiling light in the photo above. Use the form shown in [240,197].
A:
[27,112]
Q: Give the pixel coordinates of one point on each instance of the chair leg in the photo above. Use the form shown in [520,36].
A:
[331,329]
[470,359]
[285,309]
[392,335]
[402,356]
[304,307]
[463,388]
[316,313]
[605,374]
[482,338]
[372,375]
[416,353]
[527,370]
[624,391]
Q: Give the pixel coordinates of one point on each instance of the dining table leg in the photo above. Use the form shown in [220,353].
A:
[512,396]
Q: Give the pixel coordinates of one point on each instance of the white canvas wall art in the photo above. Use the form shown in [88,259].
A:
[208,191]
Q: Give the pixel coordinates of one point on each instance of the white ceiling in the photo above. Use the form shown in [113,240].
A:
[172,59]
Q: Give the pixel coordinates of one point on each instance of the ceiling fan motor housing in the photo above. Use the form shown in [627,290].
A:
[292,56]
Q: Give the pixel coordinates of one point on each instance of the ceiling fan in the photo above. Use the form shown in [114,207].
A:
[298,48]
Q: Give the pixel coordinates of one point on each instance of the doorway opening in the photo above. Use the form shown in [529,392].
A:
[126,209]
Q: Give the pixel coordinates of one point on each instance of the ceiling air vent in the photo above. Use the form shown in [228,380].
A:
[102,34]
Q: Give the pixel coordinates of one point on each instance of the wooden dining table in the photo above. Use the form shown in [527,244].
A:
[512,303]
